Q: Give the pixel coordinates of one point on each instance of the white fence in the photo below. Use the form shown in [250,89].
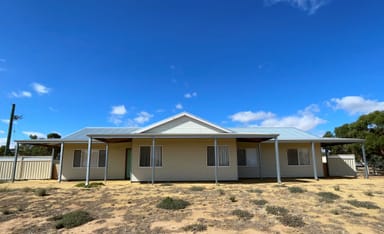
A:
[27,167]
[342,165]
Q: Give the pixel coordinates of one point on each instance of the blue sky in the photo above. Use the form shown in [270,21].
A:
[311,64]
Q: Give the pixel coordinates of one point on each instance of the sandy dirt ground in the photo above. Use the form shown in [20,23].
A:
[124,207]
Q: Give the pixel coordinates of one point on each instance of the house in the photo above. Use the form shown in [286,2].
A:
[187,148]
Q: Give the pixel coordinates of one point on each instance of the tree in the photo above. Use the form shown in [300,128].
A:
[369,127]
[53,135]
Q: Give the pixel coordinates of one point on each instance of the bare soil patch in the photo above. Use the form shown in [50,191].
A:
[123,207]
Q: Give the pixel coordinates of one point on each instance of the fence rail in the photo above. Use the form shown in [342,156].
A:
[27,167]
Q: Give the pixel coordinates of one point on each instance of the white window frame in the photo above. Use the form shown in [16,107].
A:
[83,158]
[157,147]
[248,155]
[219,156]
[300,153]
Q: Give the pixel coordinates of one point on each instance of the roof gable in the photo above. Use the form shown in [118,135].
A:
[184,123]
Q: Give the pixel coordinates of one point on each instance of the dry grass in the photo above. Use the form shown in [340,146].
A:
[122,207]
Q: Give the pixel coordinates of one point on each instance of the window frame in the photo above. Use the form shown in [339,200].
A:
[218,156]
[300,162]
[95,158]
[150,156]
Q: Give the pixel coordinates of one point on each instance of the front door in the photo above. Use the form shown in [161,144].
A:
[128,163]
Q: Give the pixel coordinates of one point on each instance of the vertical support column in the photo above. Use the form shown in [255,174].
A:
[88,161]
[216,160]
[61,162]
[53,155]
[277,158]
[314,161]
[106,162]
[15,163]
[366,170]
[153,160]
[259,158]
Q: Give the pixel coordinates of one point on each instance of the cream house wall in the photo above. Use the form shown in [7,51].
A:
[268,162]
[116,162]
[184,160]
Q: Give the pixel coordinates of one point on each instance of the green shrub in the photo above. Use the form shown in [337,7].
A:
[26,189]
[291,220]
[41,192]
[221,192]
[276,210]
[242,214]
[91,185]
[328,197]
[369,193]
[196,188]
[336,211]
[72,219]
[197,227]
[295,189]
[260,202]
[4,190]
[172,204]
[6,212]
[259,191]
[363,204]
[232,199]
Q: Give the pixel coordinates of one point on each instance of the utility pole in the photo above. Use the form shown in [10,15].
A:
[6,151]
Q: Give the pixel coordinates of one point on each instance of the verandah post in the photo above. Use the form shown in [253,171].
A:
[89,153]
[277,158]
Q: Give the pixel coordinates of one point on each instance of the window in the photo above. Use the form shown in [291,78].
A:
[247,157]
[298,157]
[222,155]
[98,158]
[146,157]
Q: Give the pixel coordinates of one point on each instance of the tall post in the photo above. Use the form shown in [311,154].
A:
[259,158]
[216,160]
[88,161]
[314,162]
[153,160]
[366,170]
[277,158]
[53,155]
[106,162]
[15,163]
[61,162]
[6,150]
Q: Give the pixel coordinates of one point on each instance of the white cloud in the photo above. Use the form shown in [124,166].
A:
[2,131]
[40,89]
[6,121]
[311,6]
[117,114]
[21,94]
[118,110]
[142,117]
[179,106]
[356,104]
[38,134]
[190,95]
[304,119]
[249,116]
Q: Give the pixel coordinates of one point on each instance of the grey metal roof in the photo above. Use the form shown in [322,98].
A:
[82,134]
[285,133]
